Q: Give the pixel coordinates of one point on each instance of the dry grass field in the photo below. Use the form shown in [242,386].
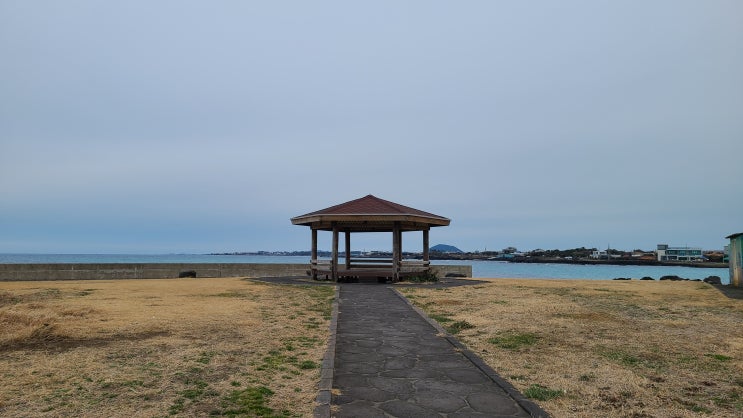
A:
[190,347]
[604,348]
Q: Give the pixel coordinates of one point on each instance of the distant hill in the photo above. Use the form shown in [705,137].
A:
[443,248]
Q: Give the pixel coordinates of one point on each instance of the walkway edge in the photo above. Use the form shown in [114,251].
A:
[531,407]
[327,369]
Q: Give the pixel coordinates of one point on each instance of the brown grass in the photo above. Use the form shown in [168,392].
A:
[160,347]
[605,348]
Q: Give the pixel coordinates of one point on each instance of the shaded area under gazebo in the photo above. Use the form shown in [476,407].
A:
[369,214]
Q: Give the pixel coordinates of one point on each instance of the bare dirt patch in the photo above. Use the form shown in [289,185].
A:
[227,347]
[604,348]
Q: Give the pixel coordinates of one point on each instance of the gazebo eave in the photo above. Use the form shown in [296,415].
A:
[368,222]
[369,227]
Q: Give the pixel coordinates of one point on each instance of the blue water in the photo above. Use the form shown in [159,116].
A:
[148,258]
[491,269]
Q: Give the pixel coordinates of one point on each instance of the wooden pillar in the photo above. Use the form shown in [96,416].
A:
[348,249]
[313,256]
[396,251]
[334,259]
[425,246]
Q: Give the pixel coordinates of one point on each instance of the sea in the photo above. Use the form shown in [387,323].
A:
[480,268]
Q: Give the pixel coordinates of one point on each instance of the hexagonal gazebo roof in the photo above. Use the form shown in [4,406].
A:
[370,214]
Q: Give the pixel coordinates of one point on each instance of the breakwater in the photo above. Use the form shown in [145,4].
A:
[111,271]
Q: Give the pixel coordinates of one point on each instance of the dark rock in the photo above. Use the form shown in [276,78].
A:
[623,278]
[188,273]
[713,280]
[647,278]
[672,278]
[455,275]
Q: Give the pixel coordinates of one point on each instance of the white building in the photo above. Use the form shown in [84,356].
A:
[600,254]
[666,253]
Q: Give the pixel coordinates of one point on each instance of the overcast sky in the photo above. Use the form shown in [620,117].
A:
[183,126]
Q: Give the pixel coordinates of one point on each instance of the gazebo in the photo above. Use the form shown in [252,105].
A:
[369,214]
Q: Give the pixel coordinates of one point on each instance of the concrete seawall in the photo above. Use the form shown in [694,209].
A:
[64,271]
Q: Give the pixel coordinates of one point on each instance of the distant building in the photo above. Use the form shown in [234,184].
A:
[600,254]
[735,255]
[666,253]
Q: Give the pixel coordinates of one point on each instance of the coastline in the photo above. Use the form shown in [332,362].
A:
[622,262]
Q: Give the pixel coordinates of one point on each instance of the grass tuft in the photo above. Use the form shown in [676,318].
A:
[249,402]
[719,357]
[514,340]
[444,317]
[542,393]
[458,326]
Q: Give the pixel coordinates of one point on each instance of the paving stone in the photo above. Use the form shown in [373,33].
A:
[350,380]
[398,363]
[466,376]
[369,343]
[414,373]
[364,368]
[360,409]
[398,408]
[392,385]
[440,401]
[488,403]
[447,385]
[370,394]
[469,413]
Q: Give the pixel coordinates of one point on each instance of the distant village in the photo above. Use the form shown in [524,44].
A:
[663,255]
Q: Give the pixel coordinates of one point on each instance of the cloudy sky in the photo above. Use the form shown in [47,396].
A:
[203,126]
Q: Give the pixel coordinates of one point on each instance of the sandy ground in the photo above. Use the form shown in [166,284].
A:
[160,347]
[586,348]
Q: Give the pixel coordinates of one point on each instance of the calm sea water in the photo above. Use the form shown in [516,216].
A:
[493,269]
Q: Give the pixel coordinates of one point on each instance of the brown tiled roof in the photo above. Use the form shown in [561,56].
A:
[370,206]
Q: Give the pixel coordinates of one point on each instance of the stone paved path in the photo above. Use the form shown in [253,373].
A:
[390,362]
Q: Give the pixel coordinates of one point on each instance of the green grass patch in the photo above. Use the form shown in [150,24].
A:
[205,357]
[84,292]
[542,393]
[230,294]
[651,360]
[621,357]
[458,326]
[444,317]
[324,297]
[195,391]
[514,340]
[700,408]
[249,402]
[308,365]
[719,357]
